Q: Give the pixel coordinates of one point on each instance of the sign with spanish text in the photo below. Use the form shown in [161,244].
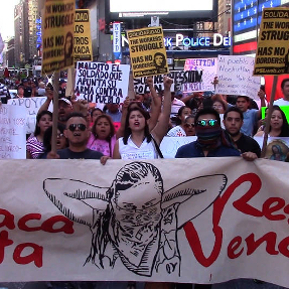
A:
[272,55]
[31,105]
[147,52]
[204,220]
[12,132]
[57,38]
[82,36]
[235,76]
[101,82]
[180,79]
[207,67]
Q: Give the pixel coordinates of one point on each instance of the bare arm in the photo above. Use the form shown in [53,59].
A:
[261,94]
[116,154]
[156,105]
[161,128]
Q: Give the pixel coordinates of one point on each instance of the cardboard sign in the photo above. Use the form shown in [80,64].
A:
[272,55]
[203,220]
[32,105]
[101,82]
[208,68]
[82,38]
[12,132]
[147,52]
[235,76]
[57,41]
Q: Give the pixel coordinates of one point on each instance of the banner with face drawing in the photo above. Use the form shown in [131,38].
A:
[200,221]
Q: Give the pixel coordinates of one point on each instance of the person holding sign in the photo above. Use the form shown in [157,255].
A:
[138,142]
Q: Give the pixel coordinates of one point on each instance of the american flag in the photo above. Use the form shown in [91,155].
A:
[247,15]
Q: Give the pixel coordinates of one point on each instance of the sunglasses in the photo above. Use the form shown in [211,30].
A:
[80,126]
[209,122]
[188,125]
[59,135]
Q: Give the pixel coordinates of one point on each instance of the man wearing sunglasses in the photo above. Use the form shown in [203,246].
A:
[211,140]
[77,133]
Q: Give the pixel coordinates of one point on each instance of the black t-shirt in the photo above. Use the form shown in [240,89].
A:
[87,154]
[248,144]
[27,91]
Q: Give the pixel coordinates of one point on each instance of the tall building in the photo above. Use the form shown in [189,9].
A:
[21,33]
[34,28]
[224,17]
[10,55]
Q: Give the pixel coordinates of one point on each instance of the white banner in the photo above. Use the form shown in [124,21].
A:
[203,220]
[32,105]
[235,75]
[101,82]
[208,67]
[12,132]
[179,77]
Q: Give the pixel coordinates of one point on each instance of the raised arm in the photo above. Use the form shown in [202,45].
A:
[49,95]
[161,128]
[156,104]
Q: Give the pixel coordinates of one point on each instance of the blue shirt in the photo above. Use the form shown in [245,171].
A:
[192,150]
[250,119]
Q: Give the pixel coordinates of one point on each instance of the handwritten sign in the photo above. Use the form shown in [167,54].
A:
[170,145]
[12,132]
[235,76]
[272,55]
[180,224]
[82,38]
[32,105]
[101,82]
[179,77]
[147,52]
[57,41]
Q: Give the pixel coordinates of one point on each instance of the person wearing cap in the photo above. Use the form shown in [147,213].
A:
[65,108]
[62,88]
[27,88]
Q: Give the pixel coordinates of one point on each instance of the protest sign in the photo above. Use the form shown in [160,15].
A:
[208,67]
[170,145]
[57,41]
[205,220]
[179,77]
[32,105]
[101,82]
[272,55]
[12,132]
[82,38]
[235,76]
[147,52]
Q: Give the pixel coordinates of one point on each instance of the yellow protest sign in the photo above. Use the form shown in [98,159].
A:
[147,52]
[57,42]
[82,37]
[272,57]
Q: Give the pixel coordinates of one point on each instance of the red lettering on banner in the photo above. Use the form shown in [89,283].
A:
[8,220]
[283,247]
[233,246]
[4,242]
[269,208]
[22,222]
[67,227]
[35,256]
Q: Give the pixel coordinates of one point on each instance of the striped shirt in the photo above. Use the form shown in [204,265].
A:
[34,147]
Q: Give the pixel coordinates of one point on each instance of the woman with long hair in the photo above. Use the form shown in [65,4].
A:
[102,136]
[179,130]
[138,142]
[34,144]
[278,124]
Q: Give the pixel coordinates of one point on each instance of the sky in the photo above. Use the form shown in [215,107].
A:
[7,18]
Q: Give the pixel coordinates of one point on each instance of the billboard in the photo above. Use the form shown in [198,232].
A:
[123,10]
[247,15]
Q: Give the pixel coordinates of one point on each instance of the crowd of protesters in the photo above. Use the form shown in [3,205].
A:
[223,126]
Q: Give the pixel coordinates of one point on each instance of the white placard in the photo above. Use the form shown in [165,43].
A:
[208,67]
[235,75]
[101,82]
[32,105]
[12,132]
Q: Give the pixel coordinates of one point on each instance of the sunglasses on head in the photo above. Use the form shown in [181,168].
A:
[210,122]
[187,125]
[80,126]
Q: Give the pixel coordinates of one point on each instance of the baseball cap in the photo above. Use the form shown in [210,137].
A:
[65,100]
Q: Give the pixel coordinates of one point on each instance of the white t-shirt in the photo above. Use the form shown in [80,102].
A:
[132,152]
[281,102]
[176,105]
